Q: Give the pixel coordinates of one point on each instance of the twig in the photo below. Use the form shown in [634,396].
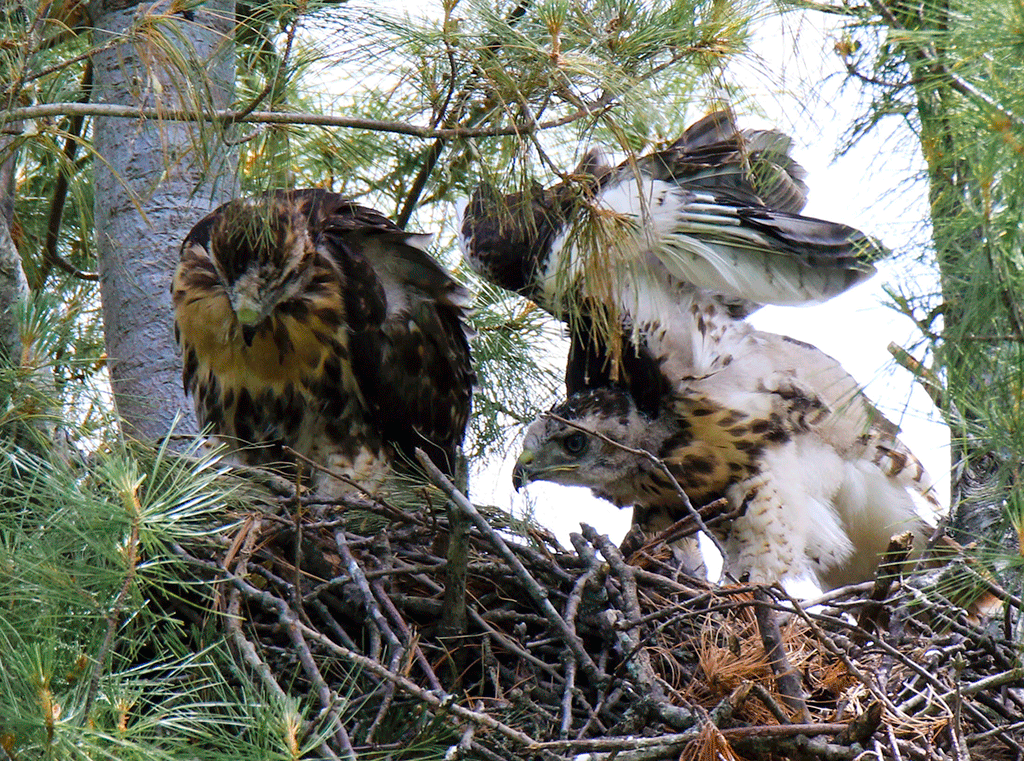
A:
[60,192]
[769,702]
[798,746]
[538,593]
[888,571]
[328,701]
[410,640]
[355,572]
[639,658]
[668,741]
[276,81]
[233,618]
[453,615]
[786,677]
[571,608]
[332,624]
[446,703]
[924,376]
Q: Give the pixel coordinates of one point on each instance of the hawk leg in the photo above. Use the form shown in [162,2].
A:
[765,542]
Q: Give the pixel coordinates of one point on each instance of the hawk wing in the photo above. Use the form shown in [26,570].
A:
[407,335]
[308,321]
[663,256]
[717,210]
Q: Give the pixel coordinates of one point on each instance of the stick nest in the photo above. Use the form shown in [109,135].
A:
[400,630]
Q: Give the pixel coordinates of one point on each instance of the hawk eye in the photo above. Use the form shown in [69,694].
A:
[575,442]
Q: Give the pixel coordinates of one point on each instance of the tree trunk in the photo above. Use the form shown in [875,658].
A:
[155,179]
[13,290]
[13,283]
[982,473]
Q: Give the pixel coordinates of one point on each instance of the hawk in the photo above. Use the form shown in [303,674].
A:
[664,255]
[308,321]
[654,266]
[817,475]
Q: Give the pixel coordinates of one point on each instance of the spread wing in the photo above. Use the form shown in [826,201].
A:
[717,210]
[308,321]
[663,256]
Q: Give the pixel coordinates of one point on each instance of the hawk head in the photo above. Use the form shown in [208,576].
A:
[561,447]
[261,250]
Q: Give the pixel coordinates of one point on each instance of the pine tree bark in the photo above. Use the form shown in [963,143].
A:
[154,179]
[13,290]
[13,283]
[977,491]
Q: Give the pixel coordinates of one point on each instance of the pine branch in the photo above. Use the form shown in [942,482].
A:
[958,83]
[228,116]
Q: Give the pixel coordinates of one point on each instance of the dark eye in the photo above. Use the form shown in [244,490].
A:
[575,442]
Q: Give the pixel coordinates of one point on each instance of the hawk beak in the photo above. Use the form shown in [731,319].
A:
[249,333]
[249,318]
[521,472]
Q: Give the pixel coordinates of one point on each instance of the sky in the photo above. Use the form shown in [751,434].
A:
[870,188]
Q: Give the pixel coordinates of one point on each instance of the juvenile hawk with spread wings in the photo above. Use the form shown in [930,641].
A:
[308,321]
[654,265]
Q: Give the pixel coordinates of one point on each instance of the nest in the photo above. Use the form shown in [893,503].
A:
[397,628]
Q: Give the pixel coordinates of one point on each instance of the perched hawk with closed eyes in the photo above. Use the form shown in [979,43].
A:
[654,266]
[308,321]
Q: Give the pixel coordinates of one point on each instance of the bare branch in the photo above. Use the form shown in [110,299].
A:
[226,116]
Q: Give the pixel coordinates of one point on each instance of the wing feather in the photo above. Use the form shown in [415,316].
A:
[715,201]
[410,346]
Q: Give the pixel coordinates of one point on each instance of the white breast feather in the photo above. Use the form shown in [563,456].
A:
[873,508]
[812,512]
[790,526]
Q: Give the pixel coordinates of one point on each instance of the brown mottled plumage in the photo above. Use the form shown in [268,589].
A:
[781,432]
[308,321]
